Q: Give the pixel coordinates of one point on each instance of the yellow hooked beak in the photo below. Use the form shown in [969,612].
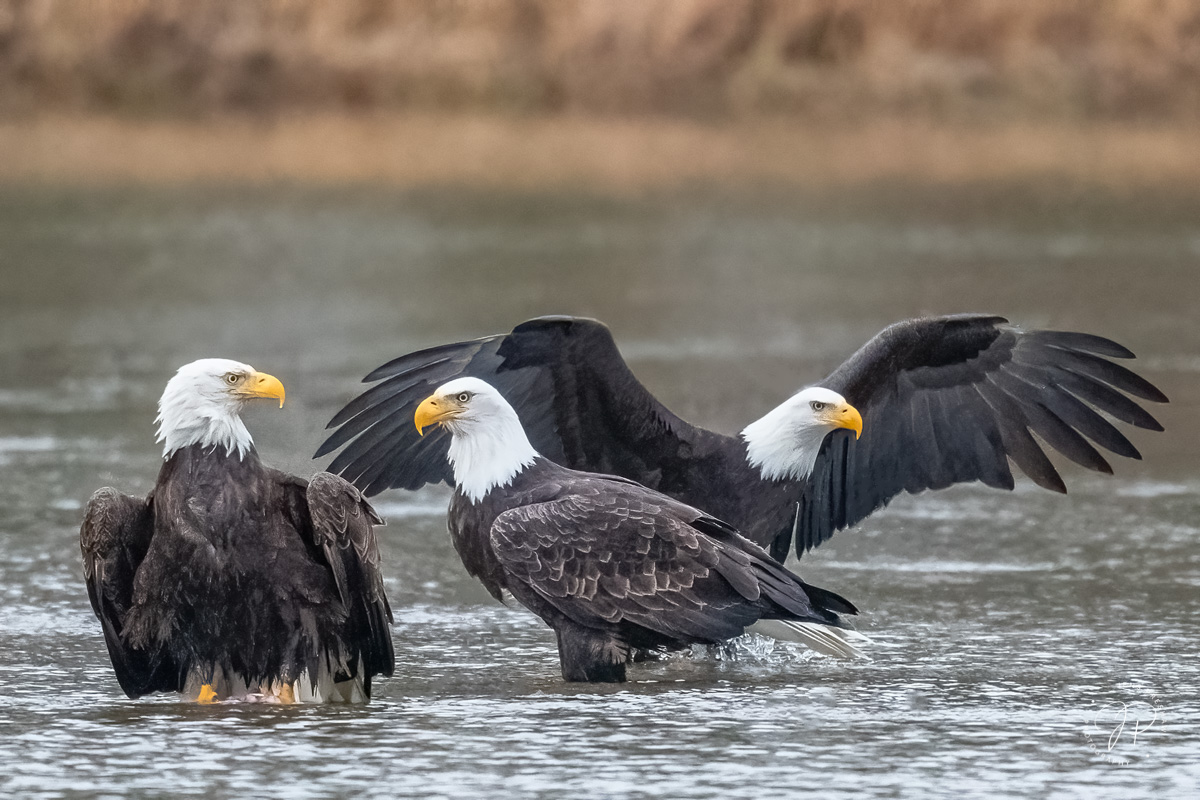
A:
[260,384]
[433,409]
[847,416]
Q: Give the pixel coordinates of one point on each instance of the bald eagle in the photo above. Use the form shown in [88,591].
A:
[232,579]
[925,404]
[610,565]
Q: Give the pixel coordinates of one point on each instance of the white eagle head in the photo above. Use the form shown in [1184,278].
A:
[202,405]
[784,444]
[488,446]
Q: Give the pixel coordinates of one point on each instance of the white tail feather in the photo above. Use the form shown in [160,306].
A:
[234,688]
[826,639]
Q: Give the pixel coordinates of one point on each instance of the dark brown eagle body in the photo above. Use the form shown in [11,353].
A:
[614,567]
[233,572]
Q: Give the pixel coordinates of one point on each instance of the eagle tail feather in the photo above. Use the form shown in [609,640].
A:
[825,639]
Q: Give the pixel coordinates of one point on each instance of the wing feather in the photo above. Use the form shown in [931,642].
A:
[648,566]
[113,539]
[1080,342]
[953,399]
[576,397]
[945,400]
[342,529]
[1076,414]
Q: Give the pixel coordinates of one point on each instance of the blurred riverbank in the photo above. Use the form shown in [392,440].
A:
[604,153]
[988,61]
[624,95]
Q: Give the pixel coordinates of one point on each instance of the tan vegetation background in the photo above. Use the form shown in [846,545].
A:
[830,58]
[620,89]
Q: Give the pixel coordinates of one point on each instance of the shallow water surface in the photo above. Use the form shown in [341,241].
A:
[1024,643]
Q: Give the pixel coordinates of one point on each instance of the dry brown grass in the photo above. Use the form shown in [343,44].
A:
[617,93]
[571,151]
[830,59]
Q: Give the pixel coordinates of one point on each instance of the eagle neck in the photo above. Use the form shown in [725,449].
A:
[197,460]
[211,427]
[488,457]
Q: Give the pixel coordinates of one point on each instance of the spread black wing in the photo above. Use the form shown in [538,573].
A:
[580,405]
[114,538]
[952,399]
[342,529]
[621,556]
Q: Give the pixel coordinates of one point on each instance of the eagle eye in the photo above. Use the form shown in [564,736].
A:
[232,378]
[463,397]
[817,405]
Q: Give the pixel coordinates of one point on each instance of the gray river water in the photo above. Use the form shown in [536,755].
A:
[1026,643]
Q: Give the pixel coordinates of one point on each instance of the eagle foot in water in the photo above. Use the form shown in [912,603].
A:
[207,695]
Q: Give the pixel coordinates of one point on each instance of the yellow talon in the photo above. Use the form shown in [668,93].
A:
[207,695]
[287,695]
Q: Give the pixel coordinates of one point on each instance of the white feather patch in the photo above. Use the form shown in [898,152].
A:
[785,442]
[197,407]
[826,639]
[488,447]
[233,688]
